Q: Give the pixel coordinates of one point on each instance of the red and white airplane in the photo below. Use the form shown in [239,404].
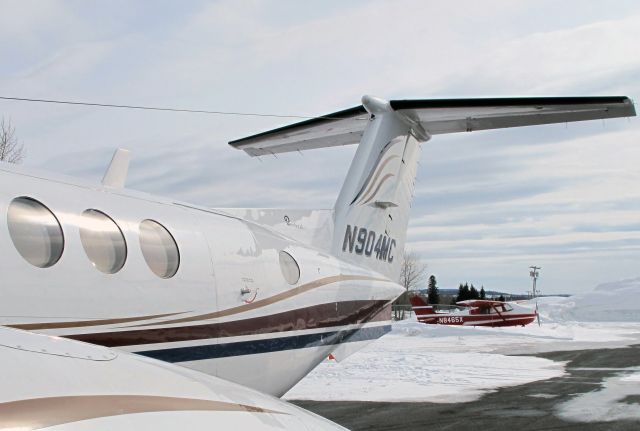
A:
[473,312]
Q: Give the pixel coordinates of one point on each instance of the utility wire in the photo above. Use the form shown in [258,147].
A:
[155,108]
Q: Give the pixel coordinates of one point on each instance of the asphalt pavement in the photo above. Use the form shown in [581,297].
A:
[533,406]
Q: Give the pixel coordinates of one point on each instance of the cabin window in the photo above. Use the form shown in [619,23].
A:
[159,249]
[289,267]
[35,232]
[103,241]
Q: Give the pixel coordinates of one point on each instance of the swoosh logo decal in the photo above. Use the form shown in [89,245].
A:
[385,178]
[376,175]
[375,169]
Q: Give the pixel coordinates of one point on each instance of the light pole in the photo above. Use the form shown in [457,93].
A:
[534,274]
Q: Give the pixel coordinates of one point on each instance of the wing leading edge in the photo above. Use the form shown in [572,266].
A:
[437,116]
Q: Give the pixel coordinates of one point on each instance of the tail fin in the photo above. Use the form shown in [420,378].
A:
[420,307]
[372,210]
[371,213]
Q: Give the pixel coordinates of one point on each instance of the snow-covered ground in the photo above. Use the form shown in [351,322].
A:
[435,363]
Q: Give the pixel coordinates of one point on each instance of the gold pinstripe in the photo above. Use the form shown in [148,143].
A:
[37,413]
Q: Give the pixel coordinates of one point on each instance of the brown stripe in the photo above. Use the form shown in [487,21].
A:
[81,323]
[272,299]
[314,317]
[256,304]
[36,413]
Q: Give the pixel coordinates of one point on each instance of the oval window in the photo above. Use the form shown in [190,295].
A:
[35,232]
[289,267]
[103,241]
[159,249]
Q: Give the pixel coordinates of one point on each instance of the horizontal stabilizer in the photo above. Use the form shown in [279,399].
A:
[436,116]
[340,128]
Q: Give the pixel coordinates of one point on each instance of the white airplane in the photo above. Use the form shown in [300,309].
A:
[121,310]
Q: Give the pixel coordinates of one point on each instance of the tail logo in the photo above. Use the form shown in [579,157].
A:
[376,182]
[362,241]
[382,171]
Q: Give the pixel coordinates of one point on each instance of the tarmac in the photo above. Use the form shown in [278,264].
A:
[533,406]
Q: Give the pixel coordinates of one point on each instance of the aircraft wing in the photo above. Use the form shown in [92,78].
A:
[62,384]
[437,116]
[478,303]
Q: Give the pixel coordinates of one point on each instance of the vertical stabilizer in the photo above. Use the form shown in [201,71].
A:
[420,306]
[372,210]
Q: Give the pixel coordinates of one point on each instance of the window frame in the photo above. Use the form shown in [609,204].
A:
[124,241]
[60,229]
[294,260]
[173,239]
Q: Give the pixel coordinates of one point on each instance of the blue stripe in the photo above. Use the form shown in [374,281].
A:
[212,351]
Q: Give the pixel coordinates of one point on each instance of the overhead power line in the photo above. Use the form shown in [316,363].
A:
[156,108]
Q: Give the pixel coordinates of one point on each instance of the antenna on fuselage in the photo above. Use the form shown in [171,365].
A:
[116,174]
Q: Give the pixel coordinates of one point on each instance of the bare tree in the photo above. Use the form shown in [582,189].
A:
[413,276]
[413,273]
[10,150]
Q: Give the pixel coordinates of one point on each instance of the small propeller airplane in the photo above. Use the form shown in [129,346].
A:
[473,312]
[122,310]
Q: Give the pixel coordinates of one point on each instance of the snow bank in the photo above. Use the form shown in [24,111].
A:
[609,302]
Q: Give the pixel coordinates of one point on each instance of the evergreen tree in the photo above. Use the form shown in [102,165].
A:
[466,294]
[483,294]
[473,293]
[460,296]
[501,298]
[432,291]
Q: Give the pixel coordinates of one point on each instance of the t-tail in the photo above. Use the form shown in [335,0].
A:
[368,225]
[372,210]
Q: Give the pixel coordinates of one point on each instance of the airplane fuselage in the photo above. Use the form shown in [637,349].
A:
[175,282]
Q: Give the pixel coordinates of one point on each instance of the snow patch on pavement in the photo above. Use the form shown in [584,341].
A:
[607,404]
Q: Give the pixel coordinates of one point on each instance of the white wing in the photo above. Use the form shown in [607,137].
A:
[51,382]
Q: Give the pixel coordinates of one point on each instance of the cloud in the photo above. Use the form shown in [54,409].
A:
[487,203]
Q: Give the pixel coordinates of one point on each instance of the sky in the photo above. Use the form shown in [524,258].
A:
[488,204]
